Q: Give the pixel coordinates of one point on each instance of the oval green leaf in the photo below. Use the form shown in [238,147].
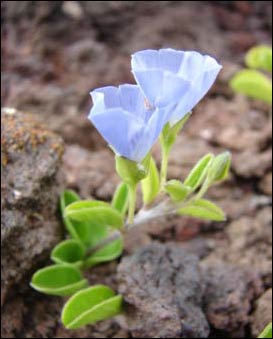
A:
[253,84]
[69,251]
[108,253]
[90,306]
[199,172]
[260,57]
[120,199]
[151,184]
[203,209]
[177,191]
[95,213]
[61,280]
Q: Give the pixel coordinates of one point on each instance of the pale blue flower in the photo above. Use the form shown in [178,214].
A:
[176,78]
[126,120]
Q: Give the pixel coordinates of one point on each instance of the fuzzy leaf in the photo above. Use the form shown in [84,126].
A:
[253,84]
[199,172]
[95,213]
[120,199]
[260,57]
[169,133]
[177,190]
[267,332]
[90,306]
[151,184]
[219,168]
[108,253]
[61,280]
[203,209]
[69,251]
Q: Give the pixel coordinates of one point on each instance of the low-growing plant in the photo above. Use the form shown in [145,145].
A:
[132,118]
[252,81]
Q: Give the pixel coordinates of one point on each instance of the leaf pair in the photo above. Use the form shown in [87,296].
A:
[208,171]
[252,82]
[89,223]
[210,168]
[87,305]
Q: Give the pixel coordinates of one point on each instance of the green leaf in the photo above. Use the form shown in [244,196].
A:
[67,198]
[260,57]
[219,168]
[169,133]
[121,199]
[96,213]
[108,253]
[177,190]
[90,306]
[253,84]
[69,251]
[199,172]
[203,209]
[61,280]
[267,332]
[151,184]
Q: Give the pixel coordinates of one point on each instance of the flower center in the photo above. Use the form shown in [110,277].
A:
[148,106]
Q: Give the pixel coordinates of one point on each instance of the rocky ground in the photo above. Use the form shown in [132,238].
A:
[54,53]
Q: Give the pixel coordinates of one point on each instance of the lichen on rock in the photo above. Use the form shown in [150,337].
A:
[30,187]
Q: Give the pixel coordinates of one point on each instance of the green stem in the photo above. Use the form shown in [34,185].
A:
[132,203]
[164,165]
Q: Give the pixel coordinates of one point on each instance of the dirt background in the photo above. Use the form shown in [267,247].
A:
[55,52]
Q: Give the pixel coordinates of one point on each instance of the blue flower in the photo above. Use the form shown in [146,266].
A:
[126,120]
[176,78]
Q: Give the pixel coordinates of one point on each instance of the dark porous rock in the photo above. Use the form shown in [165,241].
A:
[263,313]
[162,288]
[229,294]
[30,158]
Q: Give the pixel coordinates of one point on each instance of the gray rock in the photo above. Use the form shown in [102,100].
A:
[162,288]
[30,158]
[263,313]
[229,294]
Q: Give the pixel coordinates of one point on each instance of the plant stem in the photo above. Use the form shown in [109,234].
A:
[112,237]
[164,165]
[132,203]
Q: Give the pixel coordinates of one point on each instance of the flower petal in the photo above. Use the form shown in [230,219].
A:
[147,59]
[151,132]
[194,94]
[109,94]
[173,89]
[170,59]
[133,101]
[120,129]
[151,82]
